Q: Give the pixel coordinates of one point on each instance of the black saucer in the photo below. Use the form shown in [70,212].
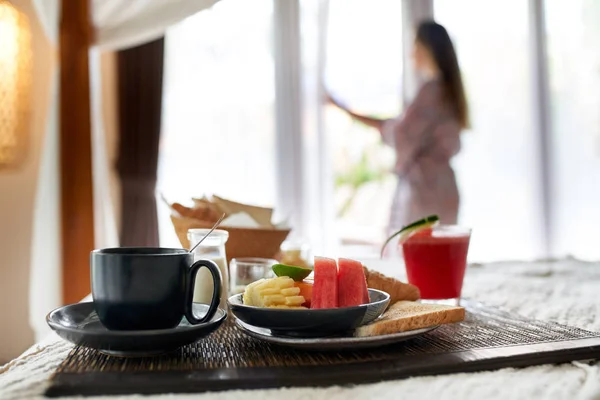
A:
[79,324]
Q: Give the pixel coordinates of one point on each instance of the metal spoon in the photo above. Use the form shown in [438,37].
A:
[209,232]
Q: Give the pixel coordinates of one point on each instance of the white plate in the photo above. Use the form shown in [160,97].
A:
[346,342]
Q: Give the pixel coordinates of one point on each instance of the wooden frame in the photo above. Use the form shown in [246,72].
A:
[76,185]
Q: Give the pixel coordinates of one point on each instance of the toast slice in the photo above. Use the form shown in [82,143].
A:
[408,315]
[396,289]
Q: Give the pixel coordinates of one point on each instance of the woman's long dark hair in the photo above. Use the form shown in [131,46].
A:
[435,38]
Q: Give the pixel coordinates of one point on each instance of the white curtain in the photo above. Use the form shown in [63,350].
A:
[127,23]
[413,12]
[119,24]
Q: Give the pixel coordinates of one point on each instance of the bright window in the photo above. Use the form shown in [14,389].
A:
[219,131]
[364,70]
[218,119]
[497,167]
[573,40]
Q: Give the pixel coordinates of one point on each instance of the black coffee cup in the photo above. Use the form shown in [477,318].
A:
[139,288]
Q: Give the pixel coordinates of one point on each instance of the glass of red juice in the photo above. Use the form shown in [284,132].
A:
[436,259]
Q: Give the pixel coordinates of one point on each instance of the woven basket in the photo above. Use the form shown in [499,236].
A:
[242,242]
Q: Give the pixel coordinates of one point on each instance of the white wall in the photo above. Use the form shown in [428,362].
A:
[17,203]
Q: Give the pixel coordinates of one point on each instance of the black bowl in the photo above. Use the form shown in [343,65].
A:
[311,323]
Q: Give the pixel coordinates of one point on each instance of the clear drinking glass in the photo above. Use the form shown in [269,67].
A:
[436,260]
[212,248]
[295,252]
[247,270]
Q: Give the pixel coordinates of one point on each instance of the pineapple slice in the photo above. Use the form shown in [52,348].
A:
[294,301]
[293,291]
[273,300]
[278,292]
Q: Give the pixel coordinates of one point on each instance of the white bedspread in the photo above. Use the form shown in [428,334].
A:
[565,291]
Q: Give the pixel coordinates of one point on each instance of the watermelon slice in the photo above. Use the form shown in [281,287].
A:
[366,297]
[352,283]
[325,288]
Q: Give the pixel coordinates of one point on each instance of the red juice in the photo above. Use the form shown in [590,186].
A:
[436,261]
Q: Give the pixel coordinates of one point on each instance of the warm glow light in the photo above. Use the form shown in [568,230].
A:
[15,84]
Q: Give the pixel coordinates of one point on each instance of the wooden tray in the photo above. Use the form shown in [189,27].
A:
[488,339]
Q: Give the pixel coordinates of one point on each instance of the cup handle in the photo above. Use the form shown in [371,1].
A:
[216,297]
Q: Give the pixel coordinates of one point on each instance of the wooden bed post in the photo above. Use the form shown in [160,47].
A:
[76,189]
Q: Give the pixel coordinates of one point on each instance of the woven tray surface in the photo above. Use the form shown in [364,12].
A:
[484,327]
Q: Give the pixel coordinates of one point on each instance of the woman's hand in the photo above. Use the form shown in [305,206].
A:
[329,99]
[369,121]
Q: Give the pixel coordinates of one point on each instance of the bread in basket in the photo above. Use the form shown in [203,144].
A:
[264,242]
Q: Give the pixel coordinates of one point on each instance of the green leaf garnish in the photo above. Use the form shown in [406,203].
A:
[410,228]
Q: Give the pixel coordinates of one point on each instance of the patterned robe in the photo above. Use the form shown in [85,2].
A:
[425,138]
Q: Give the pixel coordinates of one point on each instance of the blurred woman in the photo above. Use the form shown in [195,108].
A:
[427,135]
